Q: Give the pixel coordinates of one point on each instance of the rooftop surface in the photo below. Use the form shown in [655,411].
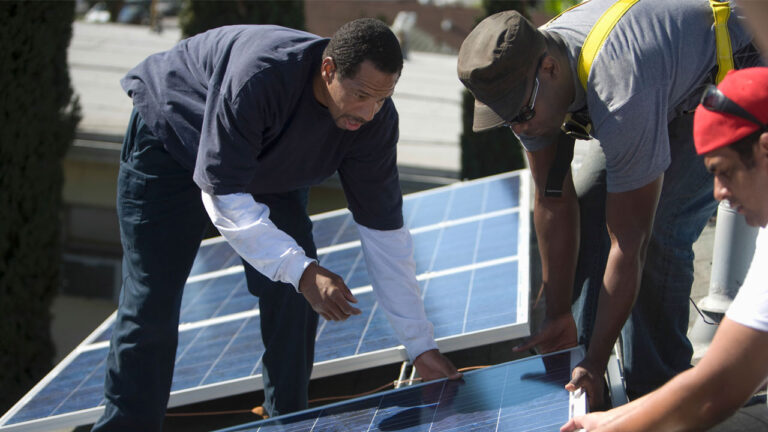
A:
[427,96]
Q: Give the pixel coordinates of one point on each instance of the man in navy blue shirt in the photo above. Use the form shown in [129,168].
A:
[234,125]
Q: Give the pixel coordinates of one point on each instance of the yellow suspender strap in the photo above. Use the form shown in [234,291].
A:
[722,11]
[597,36]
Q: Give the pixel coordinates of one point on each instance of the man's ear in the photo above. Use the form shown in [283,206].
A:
[549,66]
[761,150]
[328,69]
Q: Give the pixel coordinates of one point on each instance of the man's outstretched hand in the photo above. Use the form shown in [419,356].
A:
[327,294]
[556,334]
[432,365]
[589,377]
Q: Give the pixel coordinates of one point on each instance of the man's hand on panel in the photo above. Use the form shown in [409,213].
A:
[556,334]
[327,294]
[433,365]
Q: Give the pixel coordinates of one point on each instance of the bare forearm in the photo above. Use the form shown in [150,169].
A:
[705,395]
[688,402]
[629,219]
[621,284]
[557,228]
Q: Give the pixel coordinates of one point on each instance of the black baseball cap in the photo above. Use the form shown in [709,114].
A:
[494,61]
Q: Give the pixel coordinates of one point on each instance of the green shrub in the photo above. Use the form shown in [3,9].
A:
[38,115]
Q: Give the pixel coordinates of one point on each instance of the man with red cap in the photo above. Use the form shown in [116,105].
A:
[731,132]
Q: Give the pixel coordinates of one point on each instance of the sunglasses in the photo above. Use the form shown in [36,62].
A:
[527,112]
[714,100]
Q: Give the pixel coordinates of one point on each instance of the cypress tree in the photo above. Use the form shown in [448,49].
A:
[497,150]
[38,116]
[197,16]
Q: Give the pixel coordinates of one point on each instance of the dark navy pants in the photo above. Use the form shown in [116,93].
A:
[162,221]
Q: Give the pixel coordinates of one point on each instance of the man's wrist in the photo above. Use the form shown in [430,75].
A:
[301,267]
[557,313]
[417,347]
[595,362]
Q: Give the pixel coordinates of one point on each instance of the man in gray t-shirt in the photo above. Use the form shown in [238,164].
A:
[620,231]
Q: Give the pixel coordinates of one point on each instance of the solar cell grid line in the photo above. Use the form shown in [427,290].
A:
[220,347]
[436,250]
[214,254]
[523,395]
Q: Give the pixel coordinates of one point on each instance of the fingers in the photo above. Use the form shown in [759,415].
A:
[530,343]
[572,386]
[571,426]
[555,334]
[337,305]
[591,383]
[328,295]
[578,380]
[343,300]
[432,365]
[349,296]
[447,369]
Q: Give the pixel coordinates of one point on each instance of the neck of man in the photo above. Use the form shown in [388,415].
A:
[319,88]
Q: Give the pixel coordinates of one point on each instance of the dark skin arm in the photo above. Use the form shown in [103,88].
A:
[556,221]
[629,217]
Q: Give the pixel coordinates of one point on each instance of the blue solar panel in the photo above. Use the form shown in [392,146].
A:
[524,395]
[470,243]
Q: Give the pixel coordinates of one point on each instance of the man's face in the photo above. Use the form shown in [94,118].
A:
[745,188]
[549,115]
[552,100]
[355,100]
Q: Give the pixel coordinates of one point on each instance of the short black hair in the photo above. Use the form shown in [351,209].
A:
[745,147]
[364,39]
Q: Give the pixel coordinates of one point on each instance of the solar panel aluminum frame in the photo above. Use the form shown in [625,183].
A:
[67,420]
[321,369]
[577,401]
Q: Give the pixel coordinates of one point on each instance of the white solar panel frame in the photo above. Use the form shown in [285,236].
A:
[320,369]
[577,401]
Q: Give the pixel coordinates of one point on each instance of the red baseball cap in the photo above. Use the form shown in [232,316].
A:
[749,89]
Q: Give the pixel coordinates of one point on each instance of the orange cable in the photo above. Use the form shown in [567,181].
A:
[211,413]
[470,368]
[260,410]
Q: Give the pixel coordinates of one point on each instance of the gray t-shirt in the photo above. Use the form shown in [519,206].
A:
[652,68]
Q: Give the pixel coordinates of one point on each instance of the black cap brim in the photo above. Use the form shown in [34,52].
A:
[491,115]
[485,118]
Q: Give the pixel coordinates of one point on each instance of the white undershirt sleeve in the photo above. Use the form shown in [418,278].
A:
[389,259]
[245,224]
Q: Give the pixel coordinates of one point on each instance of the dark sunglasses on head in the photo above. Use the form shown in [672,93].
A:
[714,100]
